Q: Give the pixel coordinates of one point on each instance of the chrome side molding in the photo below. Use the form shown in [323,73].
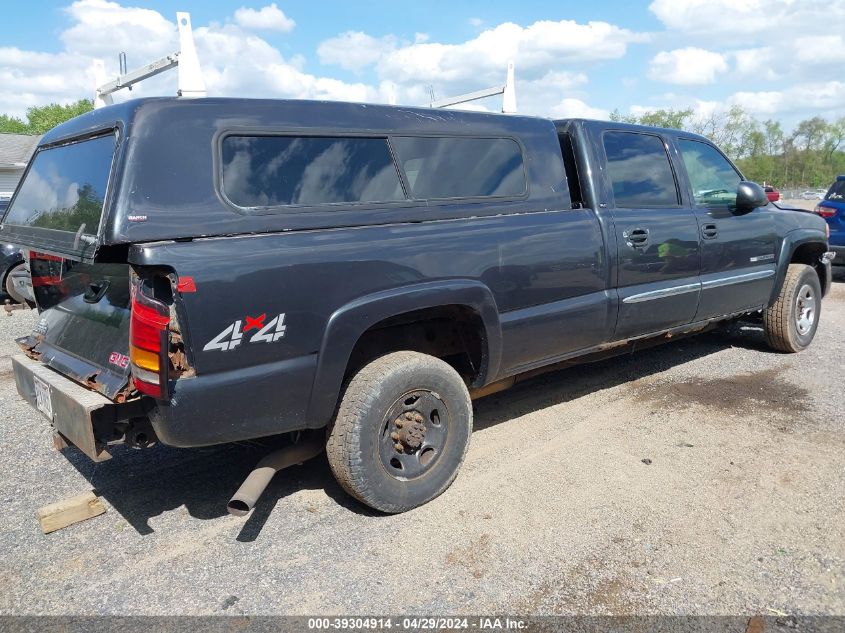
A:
[660,294]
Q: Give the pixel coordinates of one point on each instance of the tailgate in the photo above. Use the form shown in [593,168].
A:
[83,331]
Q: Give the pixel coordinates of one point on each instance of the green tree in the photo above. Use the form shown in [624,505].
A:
[40,119]
[810,156]
[663,117]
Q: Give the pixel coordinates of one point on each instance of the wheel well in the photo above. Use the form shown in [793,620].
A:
[453,333]
[810,254]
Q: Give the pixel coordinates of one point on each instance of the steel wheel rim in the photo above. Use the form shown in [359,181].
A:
[418,422]
[805,309]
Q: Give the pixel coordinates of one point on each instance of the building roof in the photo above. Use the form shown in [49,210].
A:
[17,149]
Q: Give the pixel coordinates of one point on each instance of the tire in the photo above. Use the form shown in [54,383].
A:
[402,399]
[9,288]
[790,323]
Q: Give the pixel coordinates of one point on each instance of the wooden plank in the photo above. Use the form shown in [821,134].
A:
[69,511]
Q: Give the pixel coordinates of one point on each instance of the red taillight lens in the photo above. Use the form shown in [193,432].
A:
[825,212]
[148,327]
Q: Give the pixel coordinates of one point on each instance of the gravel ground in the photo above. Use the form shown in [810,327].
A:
[740,509]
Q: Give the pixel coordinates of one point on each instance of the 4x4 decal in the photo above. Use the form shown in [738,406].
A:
[232,336]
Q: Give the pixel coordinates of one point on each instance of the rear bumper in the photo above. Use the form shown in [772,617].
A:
[77,411]
[236,405]
[839,260]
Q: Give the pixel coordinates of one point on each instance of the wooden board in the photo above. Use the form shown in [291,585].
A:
[69,511]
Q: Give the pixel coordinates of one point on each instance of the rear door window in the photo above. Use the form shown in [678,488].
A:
[461,167]
[65,187]
[836,193]
[639,170]
[270,171]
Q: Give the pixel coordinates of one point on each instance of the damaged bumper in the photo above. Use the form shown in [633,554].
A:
[74,411]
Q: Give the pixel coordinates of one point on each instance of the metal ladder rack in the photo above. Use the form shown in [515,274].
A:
[190,82]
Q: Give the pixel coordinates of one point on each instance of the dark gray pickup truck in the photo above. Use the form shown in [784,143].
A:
[216,270]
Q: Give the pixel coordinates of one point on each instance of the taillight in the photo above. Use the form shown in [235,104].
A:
[825,212]
[148,331]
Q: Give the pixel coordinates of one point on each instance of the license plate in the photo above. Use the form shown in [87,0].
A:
[43,401]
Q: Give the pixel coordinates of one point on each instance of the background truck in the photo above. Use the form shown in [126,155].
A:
[215,270]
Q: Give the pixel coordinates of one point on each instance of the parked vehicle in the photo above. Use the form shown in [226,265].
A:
[772,194]
[14,277]
[15,283]
[832,209]
[228,269]
[812,195]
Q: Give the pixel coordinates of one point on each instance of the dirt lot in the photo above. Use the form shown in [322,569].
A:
[740,509]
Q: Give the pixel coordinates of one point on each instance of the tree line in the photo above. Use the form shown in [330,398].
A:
[811,155]
[41,119]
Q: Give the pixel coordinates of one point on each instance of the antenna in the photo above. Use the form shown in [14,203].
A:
[190,80]
[508,92]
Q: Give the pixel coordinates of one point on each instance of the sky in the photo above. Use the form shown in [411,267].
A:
[777,59]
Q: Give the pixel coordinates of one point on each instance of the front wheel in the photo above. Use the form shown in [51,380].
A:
[790,323]
[401,431]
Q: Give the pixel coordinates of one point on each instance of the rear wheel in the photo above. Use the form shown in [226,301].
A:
[401,431]
[790,323]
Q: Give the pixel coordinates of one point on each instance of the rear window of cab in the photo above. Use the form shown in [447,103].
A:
[263,171]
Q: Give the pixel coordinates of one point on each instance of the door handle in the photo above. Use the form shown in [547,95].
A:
[636,238]
[709,231]
[95,291]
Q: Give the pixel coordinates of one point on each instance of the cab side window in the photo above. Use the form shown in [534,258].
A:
[713,178]
[639,169]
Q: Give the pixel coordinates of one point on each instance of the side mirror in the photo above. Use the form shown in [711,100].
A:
[749,196]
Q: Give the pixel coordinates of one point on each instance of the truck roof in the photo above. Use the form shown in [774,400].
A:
[308,113]
[632,127]
[292,112]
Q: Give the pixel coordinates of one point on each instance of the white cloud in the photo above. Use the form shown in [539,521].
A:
[747,17]
[235,62]
[104,29]
[353,50]
[536,48]
[687,66]
[757,63]
[541,51]
[575,108]
[271,18]
[821,98]
[820,49]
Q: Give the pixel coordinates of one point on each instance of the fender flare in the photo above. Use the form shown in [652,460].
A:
[788,246]
[346,325]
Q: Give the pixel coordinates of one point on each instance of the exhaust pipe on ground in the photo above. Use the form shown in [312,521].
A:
[251,489]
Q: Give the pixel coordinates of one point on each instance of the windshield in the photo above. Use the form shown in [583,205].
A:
[836,191]
[65,187]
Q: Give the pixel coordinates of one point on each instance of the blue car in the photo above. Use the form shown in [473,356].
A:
[832,209]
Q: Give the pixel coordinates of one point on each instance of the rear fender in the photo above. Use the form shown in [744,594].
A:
[347,324]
